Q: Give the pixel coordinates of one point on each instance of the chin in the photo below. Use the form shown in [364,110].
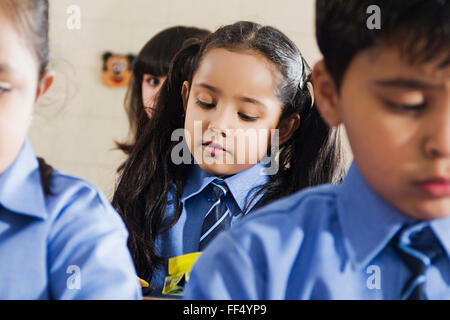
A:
[432,209]
[223,170]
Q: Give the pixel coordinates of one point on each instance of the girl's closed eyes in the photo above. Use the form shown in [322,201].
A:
[5,87]
[242,115]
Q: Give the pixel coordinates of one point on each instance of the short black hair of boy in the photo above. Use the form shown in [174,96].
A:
[420,28]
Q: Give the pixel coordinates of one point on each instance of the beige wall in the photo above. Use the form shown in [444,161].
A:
[75,125]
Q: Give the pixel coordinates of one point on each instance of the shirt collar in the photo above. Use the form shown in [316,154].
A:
[441,228]
[368,221]
[245,184]
[20,185]
[242,185]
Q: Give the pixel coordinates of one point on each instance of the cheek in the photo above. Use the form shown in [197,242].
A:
[15,120]
[253,143]
[148,94]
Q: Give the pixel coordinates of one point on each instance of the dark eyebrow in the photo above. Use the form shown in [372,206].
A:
[254,101]
[243,99]
[7,69]
[209,87]
[406,83]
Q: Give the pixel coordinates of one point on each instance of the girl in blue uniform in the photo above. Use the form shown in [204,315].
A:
[59,237]
[175,196]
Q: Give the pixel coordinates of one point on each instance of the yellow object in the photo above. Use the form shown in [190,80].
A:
[144,284]
[179,271]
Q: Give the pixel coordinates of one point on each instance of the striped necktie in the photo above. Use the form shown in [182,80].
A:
[218,217]
[419,249]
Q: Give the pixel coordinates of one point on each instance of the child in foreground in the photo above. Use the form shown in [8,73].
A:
[59,236]
[385,232]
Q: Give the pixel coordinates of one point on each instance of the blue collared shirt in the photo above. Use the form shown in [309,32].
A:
[326,242]
[68,245]
[184,236]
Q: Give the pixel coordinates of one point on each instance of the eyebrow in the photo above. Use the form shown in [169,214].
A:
[209,87]
[406,83]
[7,69]
[241,98]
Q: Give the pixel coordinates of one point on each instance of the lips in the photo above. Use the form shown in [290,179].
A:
[435,187]
[117,79]
[214,148]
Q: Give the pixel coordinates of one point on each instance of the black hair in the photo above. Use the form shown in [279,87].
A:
[31,17]
[311,156]
[420,29]
[154,58]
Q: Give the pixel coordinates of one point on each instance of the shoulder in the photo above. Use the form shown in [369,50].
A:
[75,197]
[307,213]
[302,207]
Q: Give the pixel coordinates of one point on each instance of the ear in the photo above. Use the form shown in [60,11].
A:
[131,58]
[185,94]
[287,127]
[44,84]
[326,95]
[105,58]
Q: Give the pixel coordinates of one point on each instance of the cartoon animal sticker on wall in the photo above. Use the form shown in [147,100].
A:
[117,69]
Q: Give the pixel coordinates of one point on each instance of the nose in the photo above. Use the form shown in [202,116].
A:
[437,142]
[221,120]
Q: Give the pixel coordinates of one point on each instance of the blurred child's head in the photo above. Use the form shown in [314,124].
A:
[150,70]
[388,82]
[24,57]
[152,63]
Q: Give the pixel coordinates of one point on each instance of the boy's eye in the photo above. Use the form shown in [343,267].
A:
[246,117]
[205,105]
[406,107]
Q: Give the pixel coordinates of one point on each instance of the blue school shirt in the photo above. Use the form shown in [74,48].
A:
[184,237]
[326,242]
[69,245]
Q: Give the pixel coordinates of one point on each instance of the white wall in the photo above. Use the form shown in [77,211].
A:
[76,123]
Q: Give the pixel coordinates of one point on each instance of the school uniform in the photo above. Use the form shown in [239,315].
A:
[183,239]
[326,242]
[67,245]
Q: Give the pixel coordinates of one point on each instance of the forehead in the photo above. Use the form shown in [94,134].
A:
[389,61]
[15,56]
[236,71]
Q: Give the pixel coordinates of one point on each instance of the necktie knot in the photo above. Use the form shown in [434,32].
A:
[219,188]
[419,248]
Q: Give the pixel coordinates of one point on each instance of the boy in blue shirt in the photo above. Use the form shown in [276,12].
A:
[384,233]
